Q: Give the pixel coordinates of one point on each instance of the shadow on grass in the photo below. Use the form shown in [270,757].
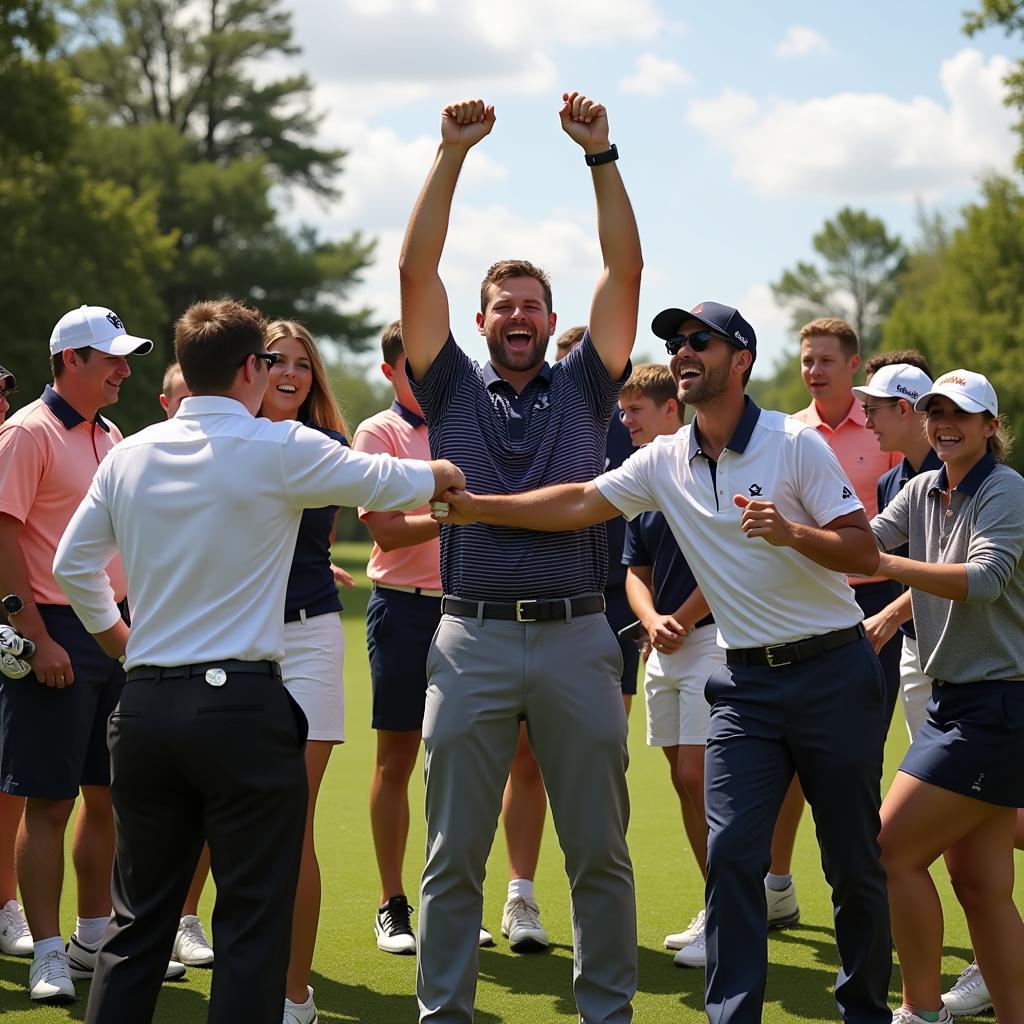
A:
[357,1004]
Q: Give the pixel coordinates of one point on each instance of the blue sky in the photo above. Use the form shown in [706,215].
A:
[741,126]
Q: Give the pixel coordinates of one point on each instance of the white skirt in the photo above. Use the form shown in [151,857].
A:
[314,654]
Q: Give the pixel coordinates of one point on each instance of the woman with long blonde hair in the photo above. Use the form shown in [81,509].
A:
[314,643]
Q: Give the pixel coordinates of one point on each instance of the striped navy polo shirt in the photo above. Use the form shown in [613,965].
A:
[553,433]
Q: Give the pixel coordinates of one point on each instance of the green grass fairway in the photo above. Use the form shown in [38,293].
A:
[354,982]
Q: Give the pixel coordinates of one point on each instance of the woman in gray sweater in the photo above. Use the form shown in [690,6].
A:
[958,788]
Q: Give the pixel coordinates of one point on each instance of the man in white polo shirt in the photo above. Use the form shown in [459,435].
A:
[205,743]
[801,691]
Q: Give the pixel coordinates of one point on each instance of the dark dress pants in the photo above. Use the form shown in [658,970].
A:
[823,719]
[191,763]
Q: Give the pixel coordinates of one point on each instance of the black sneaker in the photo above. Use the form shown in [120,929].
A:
[393,927]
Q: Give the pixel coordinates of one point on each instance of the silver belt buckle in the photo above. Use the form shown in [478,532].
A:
[520,617]
[216,677]
[770,655]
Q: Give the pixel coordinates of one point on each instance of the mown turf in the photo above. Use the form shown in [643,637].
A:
[354,982]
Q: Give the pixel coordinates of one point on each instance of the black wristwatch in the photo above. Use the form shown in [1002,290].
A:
[596,159]
[12,604]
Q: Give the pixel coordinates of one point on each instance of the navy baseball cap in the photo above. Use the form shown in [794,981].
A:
[723,320]
[7,379]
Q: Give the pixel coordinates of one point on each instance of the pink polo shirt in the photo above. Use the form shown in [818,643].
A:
[857,449]
[48,455]
[405,436]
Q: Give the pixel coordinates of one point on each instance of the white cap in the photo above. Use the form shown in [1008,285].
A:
[900,380]
[966,389]
[99,328]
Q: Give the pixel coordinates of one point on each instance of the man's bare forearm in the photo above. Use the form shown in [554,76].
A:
[551,509]
[847,549]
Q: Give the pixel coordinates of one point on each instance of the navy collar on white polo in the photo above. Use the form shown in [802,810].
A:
[407,414]
[740,436]
[971,482]
[69,416]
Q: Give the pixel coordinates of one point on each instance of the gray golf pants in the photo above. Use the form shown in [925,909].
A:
[483,677]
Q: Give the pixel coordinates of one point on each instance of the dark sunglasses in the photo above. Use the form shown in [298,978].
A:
[270,358]
[698,341]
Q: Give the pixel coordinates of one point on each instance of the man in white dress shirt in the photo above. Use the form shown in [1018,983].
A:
[206,743]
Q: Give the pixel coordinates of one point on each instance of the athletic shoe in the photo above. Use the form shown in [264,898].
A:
[393,927]
[783,911]
[905,1016]
[191,946]
[693,954]
[300,1013]
[49,979]
[969,994]
[15,938]
[520,924]
[486,938]
[82,962]
[678,940]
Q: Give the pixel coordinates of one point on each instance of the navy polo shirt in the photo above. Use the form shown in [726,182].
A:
[554,432]
[649,541]
[618,448]
[311,587]
[889,485]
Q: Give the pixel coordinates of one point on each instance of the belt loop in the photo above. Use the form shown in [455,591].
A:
[568,609]
[480,613]
[302,615]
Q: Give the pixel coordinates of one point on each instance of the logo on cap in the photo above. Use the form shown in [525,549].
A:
[116,321]
[739,337]
[907,391]
[952,379]
[698,309]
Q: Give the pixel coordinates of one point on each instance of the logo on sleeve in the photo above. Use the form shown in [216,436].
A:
[755,490]
[847,493]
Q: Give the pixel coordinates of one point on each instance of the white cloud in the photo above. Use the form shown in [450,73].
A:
[868,144]
[427,43]
[654,75]
[801,41]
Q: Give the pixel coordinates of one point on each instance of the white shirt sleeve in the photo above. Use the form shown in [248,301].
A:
[824,489]
[628,487]
[84,551]
[319,471]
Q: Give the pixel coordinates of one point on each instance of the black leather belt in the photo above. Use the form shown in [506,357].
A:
[258,668]
[800,650]
[539,610]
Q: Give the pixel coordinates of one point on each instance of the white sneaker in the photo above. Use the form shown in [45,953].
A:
[82,962]
[693,954]
[905,1016]
[486,938]
[783,910]
[677,940]
[393,927]
[968,995]
[520,924]
[49,979]
[191,946]
[300,1013]
[15,938]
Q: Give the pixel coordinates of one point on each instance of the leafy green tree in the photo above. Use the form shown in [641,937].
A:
[856,279]
[963,304]
[176,113]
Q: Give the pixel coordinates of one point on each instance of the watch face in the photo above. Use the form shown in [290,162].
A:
[12,604]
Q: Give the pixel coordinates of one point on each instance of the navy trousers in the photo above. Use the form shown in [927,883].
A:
[823,719]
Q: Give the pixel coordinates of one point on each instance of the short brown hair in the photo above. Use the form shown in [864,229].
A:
[504,269]
[212,340]
[910,356]
[171,374]
[391,344]
[57,360]
[569,339]
[653,381]
[833,327]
